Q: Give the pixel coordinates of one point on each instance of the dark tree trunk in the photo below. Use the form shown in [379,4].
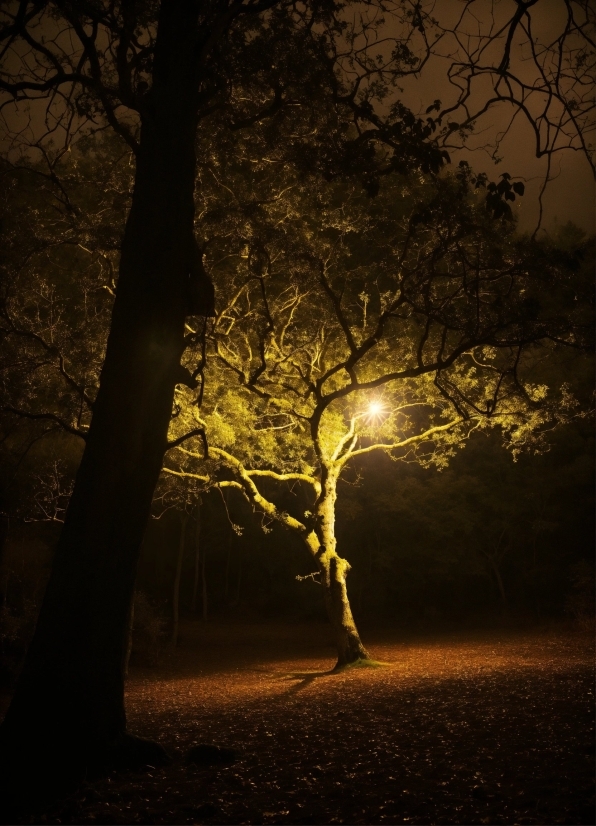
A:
[4,531]
[129,639]
[204,595]
[239,582]
[197,568]
[177,580]
[494,567]
[535,588]
[228,562]
[501,587]
[67,712]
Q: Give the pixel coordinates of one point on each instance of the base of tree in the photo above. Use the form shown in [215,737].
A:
[361,662]
[36,774]
[129,753]
[205,754]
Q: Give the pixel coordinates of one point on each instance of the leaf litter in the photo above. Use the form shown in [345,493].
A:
[479,730]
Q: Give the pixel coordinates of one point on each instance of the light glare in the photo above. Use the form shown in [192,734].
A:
[376,413]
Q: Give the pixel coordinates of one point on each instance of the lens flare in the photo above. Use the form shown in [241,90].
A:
[376,413]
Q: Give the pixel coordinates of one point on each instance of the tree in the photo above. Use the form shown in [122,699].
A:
[402,324]
[154,74]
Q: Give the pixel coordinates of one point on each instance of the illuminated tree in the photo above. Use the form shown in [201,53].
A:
[400,325]
[158,74]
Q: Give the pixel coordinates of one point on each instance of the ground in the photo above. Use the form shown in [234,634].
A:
[492,728]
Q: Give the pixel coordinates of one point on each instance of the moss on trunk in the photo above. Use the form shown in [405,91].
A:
[334,570]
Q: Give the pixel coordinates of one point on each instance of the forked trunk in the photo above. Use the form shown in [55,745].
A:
[67,713]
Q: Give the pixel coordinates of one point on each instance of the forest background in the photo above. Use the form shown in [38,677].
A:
[482,536]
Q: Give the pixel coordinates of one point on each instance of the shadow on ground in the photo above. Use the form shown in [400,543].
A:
[493,729]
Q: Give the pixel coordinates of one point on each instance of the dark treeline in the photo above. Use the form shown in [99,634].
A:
[490,536]
[425,545]
[485,541]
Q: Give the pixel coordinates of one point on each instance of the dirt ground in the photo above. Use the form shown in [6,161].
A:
[477,730]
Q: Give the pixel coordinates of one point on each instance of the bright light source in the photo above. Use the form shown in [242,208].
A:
[376,413]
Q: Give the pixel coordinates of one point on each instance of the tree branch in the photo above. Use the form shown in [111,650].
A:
[198,431]
[432,431]
[24,414]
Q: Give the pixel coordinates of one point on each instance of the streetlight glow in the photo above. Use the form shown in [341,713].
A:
[376,412]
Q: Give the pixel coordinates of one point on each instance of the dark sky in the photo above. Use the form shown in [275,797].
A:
[571,195]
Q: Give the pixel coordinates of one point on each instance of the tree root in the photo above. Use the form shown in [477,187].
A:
[361,663]
[128,753]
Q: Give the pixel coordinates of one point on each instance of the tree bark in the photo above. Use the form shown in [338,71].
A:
[334,571]
[67,714]
[350,649]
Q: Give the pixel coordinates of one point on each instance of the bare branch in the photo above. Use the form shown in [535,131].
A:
[25,414]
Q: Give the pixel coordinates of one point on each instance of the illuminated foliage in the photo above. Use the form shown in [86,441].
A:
[400,324]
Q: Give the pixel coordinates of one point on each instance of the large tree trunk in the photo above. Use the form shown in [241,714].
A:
[4,531]
[349,645]
[334,570]
[68,709]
